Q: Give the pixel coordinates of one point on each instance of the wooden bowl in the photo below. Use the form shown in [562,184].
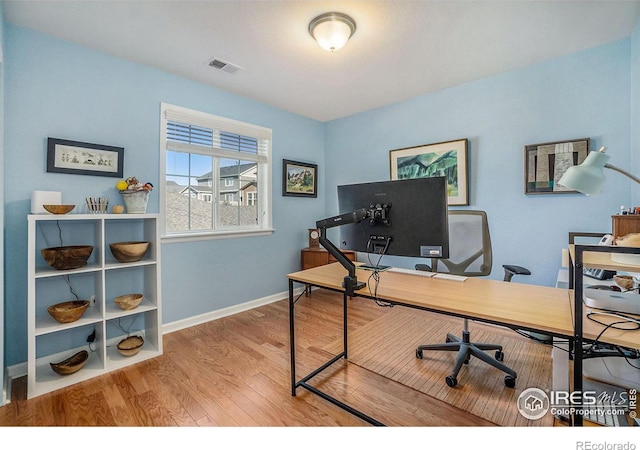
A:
[71,365]
[130,251]
[58,209]
[65,258]
[67,312]
[130,346]
[626,282]
[128,301]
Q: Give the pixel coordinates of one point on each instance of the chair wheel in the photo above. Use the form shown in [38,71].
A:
[509,381]
[418,353]
[499,355]
[447,340]
[451,381]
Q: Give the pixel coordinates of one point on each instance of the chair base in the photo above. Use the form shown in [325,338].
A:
[465,350]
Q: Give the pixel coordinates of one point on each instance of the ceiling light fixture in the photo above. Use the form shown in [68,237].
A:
[332,30]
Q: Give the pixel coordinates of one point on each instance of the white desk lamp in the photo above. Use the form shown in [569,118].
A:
[588,177]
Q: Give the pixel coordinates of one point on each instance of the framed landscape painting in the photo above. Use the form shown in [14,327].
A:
[447,159]
[299,179]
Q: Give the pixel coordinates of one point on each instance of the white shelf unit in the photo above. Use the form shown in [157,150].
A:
[100,281]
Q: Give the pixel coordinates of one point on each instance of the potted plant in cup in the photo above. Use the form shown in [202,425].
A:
[135,194]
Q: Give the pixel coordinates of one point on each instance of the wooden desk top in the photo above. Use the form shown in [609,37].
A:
[512,304]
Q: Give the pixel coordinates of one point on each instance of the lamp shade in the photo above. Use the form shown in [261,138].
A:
[587,177]
[332,30]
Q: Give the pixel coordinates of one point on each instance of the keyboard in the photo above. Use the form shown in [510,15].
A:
[424,273]
[450,277]
[420,273]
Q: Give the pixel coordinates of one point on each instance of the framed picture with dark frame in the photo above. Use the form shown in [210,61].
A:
[544,164]
[299,179]
[448,159]
[83,158]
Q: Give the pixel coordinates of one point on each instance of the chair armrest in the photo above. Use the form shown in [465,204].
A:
[511,270]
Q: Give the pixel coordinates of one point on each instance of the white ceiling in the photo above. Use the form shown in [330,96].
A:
[400,48]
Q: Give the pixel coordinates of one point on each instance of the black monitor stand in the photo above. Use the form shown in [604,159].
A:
[350,283]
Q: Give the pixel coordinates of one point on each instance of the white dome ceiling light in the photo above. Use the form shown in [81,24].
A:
[332,30]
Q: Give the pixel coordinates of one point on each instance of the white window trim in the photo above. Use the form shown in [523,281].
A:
[196,118]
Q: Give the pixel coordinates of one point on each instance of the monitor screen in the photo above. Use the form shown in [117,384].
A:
[403,217]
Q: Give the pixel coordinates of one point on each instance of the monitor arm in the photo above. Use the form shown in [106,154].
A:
[350,282]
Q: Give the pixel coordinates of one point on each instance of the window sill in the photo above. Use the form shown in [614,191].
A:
[209,235]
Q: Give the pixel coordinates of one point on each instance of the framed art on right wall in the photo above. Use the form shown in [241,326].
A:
[544,164]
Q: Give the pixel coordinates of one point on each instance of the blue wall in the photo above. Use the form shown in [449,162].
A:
[56,89]
[582,95]
[2,235]
[635,109]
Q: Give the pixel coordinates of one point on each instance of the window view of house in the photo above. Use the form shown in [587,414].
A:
[207,188]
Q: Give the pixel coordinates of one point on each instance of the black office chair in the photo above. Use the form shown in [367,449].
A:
[470,255]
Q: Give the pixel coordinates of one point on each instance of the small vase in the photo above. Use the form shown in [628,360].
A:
[136,201]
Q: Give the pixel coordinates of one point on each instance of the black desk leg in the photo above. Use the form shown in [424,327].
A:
[303,382]
[292,339]
[344,323]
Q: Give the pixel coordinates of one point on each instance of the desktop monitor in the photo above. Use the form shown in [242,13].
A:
[403,217]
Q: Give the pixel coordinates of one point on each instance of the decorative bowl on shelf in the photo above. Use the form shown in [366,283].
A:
[128,301]
[72,364]
[58,209]
[67,312]
[130,346]
[69,257]
[130,251]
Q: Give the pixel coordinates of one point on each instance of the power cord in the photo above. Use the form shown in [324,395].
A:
[374,278]
[628,323]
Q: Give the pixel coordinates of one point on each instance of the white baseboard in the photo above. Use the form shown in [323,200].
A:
[10,374]
[20,370]
[213,315]
[6,392]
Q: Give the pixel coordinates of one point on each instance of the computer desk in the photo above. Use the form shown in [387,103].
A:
[518,306]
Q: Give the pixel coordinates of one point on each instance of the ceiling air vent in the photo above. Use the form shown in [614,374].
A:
[219,64]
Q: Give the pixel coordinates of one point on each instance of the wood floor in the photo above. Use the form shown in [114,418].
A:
[235,371]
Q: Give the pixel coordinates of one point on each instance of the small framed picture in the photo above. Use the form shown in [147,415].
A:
[82,158]
[299,179]
[448,159]
[544,164]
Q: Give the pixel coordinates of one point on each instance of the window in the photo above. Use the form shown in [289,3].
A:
[217,175]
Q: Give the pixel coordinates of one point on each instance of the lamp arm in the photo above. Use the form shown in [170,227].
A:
[623,172]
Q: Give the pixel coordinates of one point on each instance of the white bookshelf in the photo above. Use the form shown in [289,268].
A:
[100,281]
